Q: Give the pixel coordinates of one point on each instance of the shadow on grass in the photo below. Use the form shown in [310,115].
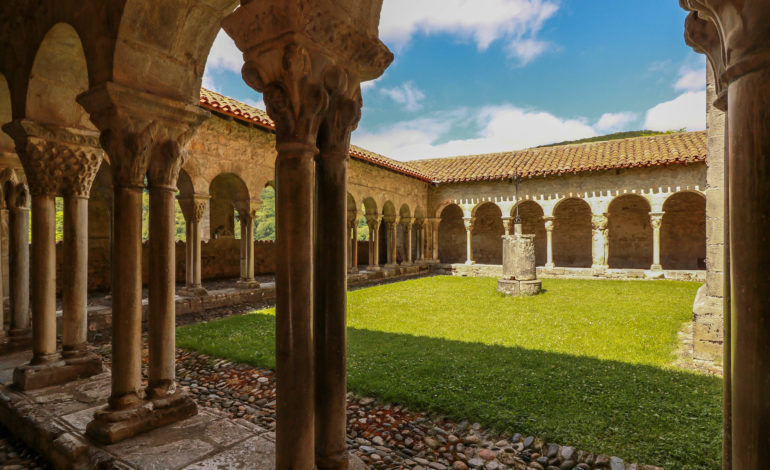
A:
[641,413]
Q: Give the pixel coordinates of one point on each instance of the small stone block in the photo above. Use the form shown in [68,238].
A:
[30,377]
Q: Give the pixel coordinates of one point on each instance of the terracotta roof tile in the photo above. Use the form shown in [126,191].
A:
[241,111]
[660,150]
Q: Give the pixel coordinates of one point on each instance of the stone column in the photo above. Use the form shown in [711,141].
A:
[57,160]
[141,132]
[406,223]
[373,221]
[740,28]
[435,222]
[193,209]
[17,201]
[507,224]
[247,212]
[468,222]
[599,246]
[549,242]
[354,248]
[656,218]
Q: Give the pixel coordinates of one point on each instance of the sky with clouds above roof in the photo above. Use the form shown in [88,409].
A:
[481,76]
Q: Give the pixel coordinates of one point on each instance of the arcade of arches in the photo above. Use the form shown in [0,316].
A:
[98,112]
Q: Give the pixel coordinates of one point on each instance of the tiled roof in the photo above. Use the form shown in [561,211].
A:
[660,150]
[241,111]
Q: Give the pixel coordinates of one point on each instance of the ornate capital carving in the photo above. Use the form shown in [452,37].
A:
[137,126]
[599,221]
[656,218]
[406,222]
[193,208]
[742,31]
[549,223]
[373,222]
[468,222]
[56,160]
[247,210]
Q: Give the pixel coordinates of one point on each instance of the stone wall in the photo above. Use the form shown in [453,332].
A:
[531,215]
[708,308]
[487,242]
[572,234]
[451,236]
[683,232]
[630,233]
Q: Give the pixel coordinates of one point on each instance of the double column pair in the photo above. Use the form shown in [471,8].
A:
[57,161]
[193,209]
[308,63]
[735,37]
[373,222]
[247,213]
[145,137]
[16,200]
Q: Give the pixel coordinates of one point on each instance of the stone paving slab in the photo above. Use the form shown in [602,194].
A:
[52,421]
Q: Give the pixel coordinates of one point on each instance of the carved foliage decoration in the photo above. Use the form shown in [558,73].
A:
[599,221]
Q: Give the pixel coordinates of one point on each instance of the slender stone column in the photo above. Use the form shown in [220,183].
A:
[17,200]
[247,211]
[656,218]
[599,245]
[468,222]
[75,276]
[141,132]
[193,209]
[393,242]
[507,224]
[354,248]
[743,60]
[373,221]
[435,222]
[549,242]
[57,160]
[407,227]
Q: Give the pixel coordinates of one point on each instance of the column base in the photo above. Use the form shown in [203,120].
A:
[353,270]
[406,263]
[654,274]
[110,426]
[469,262]
[549,266]
[373,268]
[33,376]
[247,284]
[656,267]
[599,269]
[193,291]
[20,335]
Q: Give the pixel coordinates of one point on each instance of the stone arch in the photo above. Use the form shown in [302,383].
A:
[402,243]
[451,235]
[370,206]
[265,221]
[683,231]
[100,229]
[59,74]
[225,190]
[572,234]
[630,233]
[388,213]
[531,214]
[6,115]
[486,241]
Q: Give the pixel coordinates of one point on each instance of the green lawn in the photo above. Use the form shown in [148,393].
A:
[586,363]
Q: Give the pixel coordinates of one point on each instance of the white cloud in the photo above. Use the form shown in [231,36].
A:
[224,55]
[688,110]
[613,122]
[260,103]
[407,95]
[503,128]
[691,79]
[483,21]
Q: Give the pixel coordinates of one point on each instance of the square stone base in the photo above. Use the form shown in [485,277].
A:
[516,288]
[192,292]
[110,426]
[247,284]
[32,376]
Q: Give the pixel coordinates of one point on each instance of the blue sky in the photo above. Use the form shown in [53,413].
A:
[479,76]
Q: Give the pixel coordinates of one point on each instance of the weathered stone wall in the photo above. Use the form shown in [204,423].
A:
[708,308]
[683,232]
[531,215]
[572,234]
[630,233]
[487,242]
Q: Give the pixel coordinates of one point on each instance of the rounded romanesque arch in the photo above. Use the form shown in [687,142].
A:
[683,232]
[59,74]
[486,238]
[451,235]
[532,222]
[630,233]
[572,234]
[6,115]
[226,189]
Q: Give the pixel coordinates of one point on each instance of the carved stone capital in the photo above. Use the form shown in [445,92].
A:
[599,221]
[406,222]
[137,127]
[703,37]
[549,223]
[373,222]
[742,31]
[247,210]
[656,219]
[468,222]
[193,208]
[56,160]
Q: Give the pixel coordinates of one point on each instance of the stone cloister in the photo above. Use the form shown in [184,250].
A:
[97,112]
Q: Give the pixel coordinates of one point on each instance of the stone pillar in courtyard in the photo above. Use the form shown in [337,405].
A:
[599,243]
[468,223]
[392,241]
[247,212]
[193,210]
[549,242]
[434,224]
[519,271]
[740,28]
[656,219]
[142,132]
[308,61]
[406,224]
[373,222]
[17,201]
[57,161]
